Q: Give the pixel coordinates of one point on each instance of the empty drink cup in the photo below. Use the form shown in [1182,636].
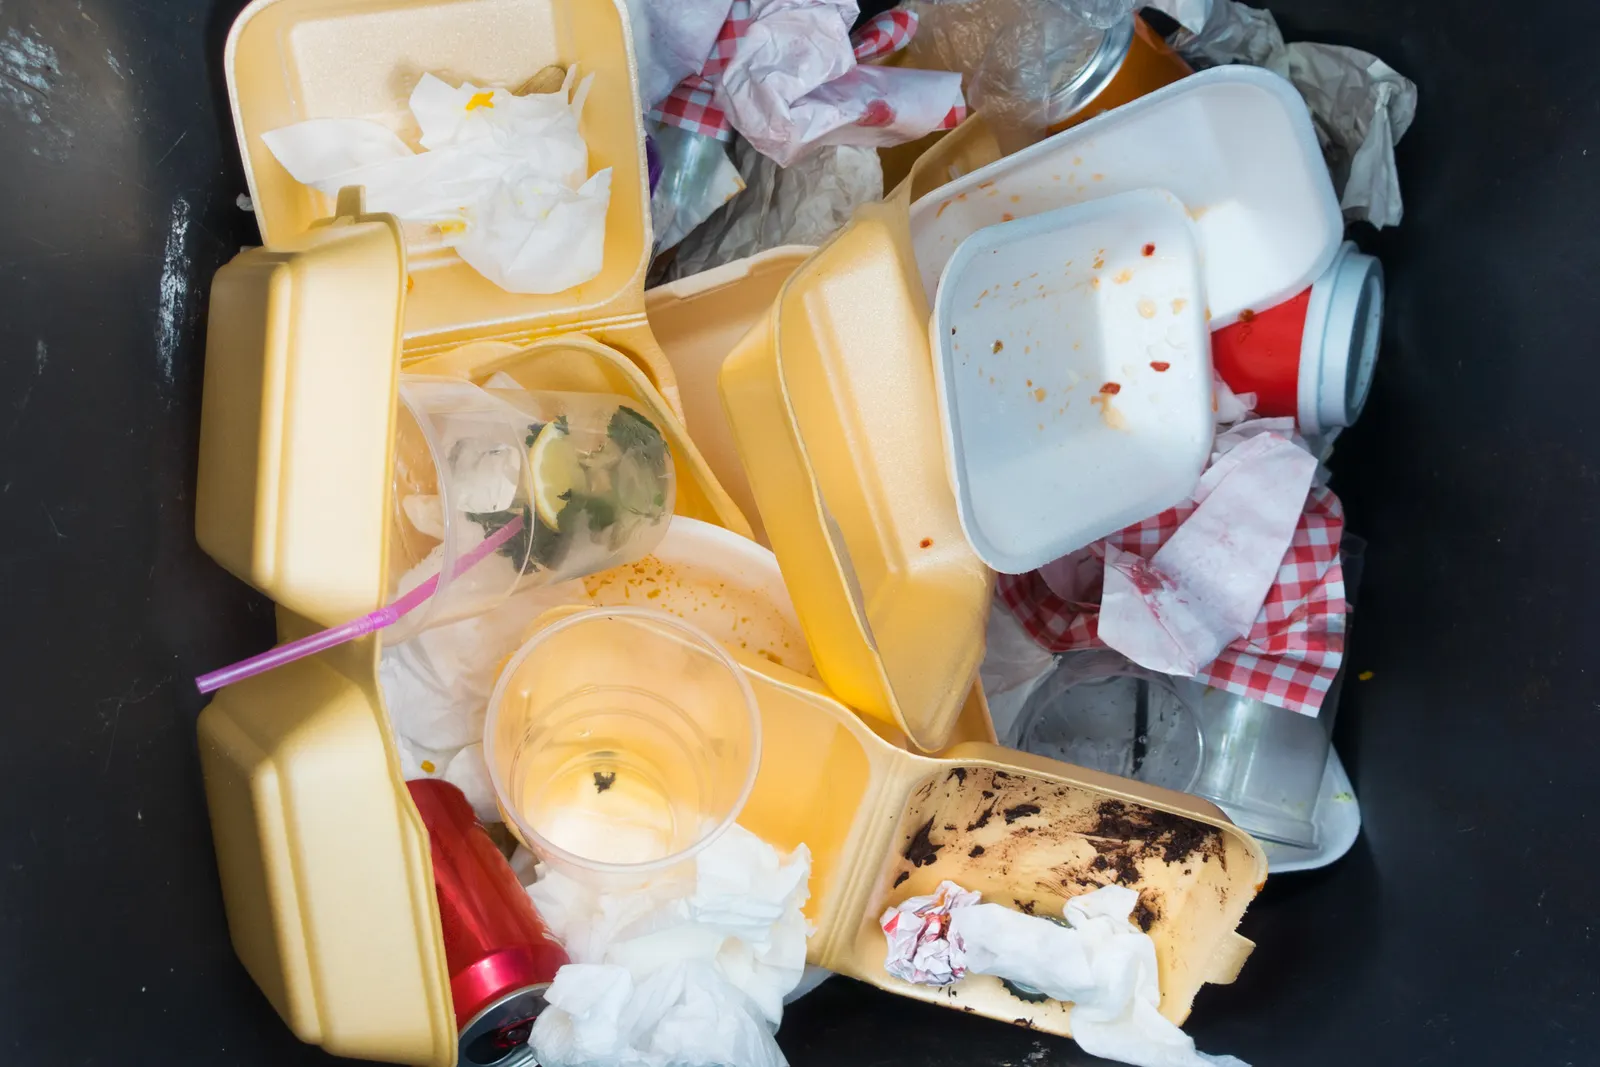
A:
[1099,711]
[621,742]
[588,475]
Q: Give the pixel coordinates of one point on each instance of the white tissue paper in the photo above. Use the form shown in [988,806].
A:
[1361,105]
[677,973]
[1099,962]
[672,40]
[504,178]
[793,83]
[1204,588]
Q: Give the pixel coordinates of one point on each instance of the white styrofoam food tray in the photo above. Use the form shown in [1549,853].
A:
[1073,370]
[1235,144]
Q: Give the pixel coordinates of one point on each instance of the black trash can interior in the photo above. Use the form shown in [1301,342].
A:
[1459,929]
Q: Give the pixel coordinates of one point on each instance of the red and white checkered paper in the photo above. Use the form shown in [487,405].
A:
[693,104]
[1292,653]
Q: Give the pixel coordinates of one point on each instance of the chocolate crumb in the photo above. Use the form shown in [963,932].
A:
[921,851]
[1028,906]
[977,850]
[903,876]
[1000,775]
[604,780]
[1145,913]
[988,794]
[1021,811]
[959,774]
[950,826]
[982,820]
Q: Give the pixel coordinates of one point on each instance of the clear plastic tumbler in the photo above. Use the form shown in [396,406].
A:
[621,742]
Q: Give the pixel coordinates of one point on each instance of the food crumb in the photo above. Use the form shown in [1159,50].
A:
[1039,395]
[1111,387]
[977,850]
[1016,199]
[604,780]
[1247,315]
[1099,262]
[428,766]
[1149,250]
[998,347]
[1123,277]
[1161,366]
[903,876]
[1006,216]
[926,542]
[1147,308]
[1364,676]
[1178,304]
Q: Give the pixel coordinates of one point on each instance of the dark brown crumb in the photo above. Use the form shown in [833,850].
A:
[977,850]
[903,876]
[968,1007]
[997,347]
[921,851]
[1172,837]
[950,826]
[1021,811]
[927,542]
[1028,906]
[1000,776]
[1145,913]
[982,820]
[988,794]
[959,774]
[604,780]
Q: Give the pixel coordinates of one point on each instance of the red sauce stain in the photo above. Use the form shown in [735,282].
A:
[1149,250]
[1145,578]
[1112,388]
[1161,365]
[1007,217]
[879,113]
[1244,316]
[926,542]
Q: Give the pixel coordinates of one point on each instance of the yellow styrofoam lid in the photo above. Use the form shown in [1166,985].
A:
[850,333]
[296,426]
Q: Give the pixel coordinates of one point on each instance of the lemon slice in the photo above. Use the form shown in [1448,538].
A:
[555,472]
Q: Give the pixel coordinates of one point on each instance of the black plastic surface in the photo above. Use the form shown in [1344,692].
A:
[1461,929]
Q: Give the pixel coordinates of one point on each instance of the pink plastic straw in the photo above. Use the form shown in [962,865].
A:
[366,624]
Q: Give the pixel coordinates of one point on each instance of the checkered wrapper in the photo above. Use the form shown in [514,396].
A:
[1292,653]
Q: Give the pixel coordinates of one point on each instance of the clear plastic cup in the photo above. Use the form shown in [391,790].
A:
[1098,710]
[621,742]
[588,475]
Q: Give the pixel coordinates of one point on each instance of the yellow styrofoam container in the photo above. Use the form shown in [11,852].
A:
[324,862]
[884,824]
[831,400]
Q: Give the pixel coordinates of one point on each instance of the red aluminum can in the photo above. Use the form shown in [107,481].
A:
[501,955]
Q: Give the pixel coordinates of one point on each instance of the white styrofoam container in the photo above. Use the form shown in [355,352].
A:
[1235,144]
[1073,369]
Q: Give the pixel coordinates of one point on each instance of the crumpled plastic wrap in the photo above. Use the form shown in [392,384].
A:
[1361,106]
[1011,54]
[675,973]
[799,205]
[697,178]
[503,179]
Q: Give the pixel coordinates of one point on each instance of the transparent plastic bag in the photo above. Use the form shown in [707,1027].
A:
[1012,53]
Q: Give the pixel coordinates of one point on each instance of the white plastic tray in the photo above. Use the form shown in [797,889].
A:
[1338,822]
[1235,144]
[1073,369]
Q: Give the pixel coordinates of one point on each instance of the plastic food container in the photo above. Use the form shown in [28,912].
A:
[588,475]
[1312,357]
[1234,144]
[305,340]
[884,824]
[853,491]
[621,742]
[1073,373]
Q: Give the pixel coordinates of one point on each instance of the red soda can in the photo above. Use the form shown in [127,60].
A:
[501,955]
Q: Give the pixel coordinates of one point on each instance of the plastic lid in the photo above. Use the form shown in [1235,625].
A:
[1344,324]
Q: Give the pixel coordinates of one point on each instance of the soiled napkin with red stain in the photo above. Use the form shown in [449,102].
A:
[1176,611]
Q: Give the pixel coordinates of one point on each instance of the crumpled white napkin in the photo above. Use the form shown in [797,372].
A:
[793,83]
[1361,105]
[1104,965]
[1204,588]
[1099,962]
[671,40]
[677,973]
[504,178]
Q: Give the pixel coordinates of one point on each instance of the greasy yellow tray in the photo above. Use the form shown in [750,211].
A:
[290,60]
[884,824]
[831,400]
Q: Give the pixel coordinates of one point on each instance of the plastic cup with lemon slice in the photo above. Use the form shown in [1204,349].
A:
[589,474]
